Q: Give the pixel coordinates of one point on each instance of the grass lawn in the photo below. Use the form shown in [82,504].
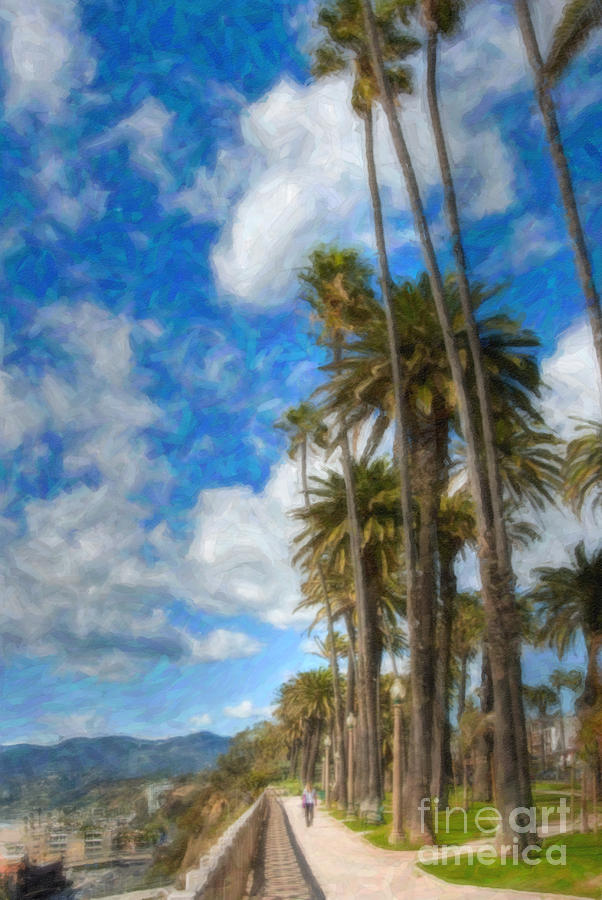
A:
[458,827]
[582,874]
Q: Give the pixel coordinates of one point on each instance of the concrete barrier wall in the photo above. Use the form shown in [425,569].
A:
[222,873]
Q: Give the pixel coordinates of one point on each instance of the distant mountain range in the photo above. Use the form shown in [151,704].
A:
[83,761]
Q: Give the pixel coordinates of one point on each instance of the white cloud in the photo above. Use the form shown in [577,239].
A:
[202,721]
[240,552]
[145,132]
[76,583]
[68,725]
[532,242]
[222,644]
[572,393]
[570,374]
[208,197]
[311,183]
[305,180]
[62,203]
[45,54]
[246,710]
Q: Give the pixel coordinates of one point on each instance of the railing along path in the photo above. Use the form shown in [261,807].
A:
[257,857]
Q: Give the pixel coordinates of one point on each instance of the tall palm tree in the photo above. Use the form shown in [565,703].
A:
[327,535]
[338,290]
[361,384]
[455,529]
[304,426]
[569,598]
[442,18]
[346,46]
[562,50]
[496,577]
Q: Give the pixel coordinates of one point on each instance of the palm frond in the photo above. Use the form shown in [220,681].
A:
[579,19]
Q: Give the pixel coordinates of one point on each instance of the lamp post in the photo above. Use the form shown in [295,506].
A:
[350,727]
[327,744]
[398,692]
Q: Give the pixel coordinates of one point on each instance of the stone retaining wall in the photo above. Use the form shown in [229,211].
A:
[222,873]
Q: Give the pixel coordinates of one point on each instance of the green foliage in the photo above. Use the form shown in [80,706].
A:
[579,19]
[569,599]
[210,802]
[345,46]
[541,698]
[583,467]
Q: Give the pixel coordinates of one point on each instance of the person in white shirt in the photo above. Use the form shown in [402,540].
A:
[308,801]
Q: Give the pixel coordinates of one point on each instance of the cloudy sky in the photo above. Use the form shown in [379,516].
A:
[166,167]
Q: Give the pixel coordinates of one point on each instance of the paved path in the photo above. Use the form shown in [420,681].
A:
[347,867]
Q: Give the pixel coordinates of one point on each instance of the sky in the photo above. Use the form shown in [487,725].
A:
[166,168]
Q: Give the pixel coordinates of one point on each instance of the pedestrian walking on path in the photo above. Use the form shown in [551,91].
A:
[308,802]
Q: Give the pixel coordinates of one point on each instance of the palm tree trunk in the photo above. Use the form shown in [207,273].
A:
[339,725]
[306,748]
[313,751]
[351,665]
[367,687]
[584,816]
[563,176]
[294,756]
[441,725]
[417,614]
[462,687]
[592,685]
[572,792]
[503,559]
[483,781]
[502,623]
[427,467]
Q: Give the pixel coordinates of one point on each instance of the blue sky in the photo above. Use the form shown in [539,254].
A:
[166,167]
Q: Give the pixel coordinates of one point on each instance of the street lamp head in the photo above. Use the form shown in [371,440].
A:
[350,720]
[327,741]
[398,690]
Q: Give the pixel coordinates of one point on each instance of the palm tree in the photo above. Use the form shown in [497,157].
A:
[467,633]
[305,426]
[455,529]
[327,536]
[346,45]
[496,577]
[583,467]
[571,680]
[569,598]
[307,699]
[442,18]
[337,288]
[541,698]
[324,646]
[572,29]
[361,385]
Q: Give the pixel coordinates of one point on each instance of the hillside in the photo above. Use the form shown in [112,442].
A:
[76,763]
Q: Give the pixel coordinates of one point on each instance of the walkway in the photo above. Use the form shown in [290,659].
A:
[280,871]
[348,867]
